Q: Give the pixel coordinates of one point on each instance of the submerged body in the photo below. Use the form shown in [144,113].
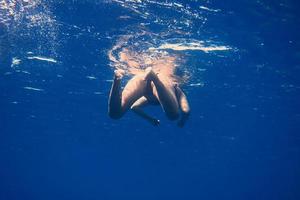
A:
[144,89]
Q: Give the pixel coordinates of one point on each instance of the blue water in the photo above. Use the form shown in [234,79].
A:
[242,139]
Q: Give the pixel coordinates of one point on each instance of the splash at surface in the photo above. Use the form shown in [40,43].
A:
[133,53]
[133,56]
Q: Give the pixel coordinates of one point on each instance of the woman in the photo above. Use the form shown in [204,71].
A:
[144,89]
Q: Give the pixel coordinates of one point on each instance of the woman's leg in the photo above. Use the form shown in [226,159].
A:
[119,102]
[165,93]
[115,98]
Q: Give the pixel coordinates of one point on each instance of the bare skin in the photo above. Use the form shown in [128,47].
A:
[148,89]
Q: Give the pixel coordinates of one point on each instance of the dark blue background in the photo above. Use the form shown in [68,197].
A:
[242,140]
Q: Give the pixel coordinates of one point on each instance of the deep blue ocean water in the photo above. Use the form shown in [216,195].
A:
[242,138]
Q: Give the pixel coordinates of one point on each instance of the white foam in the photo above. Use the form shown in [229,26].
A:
[25,72]
[15,62]
[197,84]
[190,46]
[91,77]
[209,9]
[32,88]
[42,59]
[178,5]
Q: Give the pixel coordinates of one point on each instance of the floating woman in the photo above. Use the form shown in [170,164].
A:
[148,88]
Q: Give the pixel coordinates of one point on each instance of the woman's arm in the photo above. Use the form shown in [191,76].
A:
[137,108]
